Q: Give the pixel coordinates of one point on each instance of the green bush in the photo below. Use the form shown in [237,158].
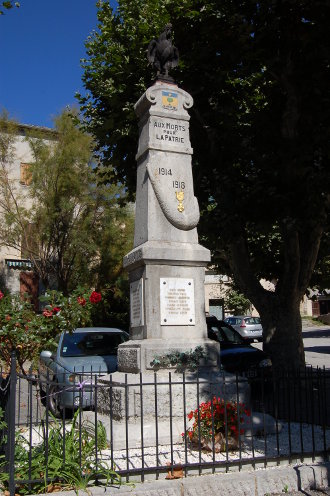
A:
[67,463]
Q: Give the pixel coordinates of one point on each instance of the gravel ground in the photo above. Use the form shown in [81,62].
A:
[256,447]
[293,438]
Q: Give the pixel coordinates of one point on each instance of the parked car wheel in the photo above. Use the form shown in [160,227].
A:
[54,400]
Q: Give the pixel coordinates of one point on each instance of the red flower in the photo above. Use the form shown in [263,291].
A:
[1,295]
[95,297]
[56,309]
[81,301]
[47,313]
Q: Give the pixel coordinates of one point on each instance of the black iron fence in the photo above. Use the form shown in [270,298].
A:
[87,429]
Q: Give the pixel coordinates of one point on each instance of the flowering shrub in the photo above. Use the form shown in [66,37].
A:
[95,297]
[81,301]
[218,418]
[28,332]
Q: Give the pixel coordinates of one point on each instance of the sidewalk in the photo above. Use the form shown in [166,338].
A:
[272,481]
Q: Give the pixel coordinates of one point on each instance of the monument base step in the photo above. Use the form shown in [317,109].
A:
[154,432]
[166,394]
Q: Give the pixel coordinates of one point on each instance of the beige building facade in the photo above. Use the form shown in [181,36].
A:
[16,275]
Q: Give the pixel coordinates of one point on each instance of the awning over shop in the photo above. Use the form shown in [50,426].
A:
[18,263]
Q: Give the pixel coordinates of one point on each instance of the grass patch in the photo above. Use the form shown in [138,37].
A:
[313,321]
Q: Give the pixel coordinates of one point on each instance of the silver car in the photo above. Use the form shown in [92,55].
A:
[249,327]
[67,373]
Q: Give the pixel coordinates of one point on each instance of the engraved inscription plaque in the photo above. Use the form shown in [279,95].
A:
[137,314]
[177,301]
[170,131]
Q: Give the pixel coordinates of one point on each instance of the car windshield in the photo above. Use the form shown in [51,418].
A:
[231,335]
[215,333]
[91,343]
[222,333]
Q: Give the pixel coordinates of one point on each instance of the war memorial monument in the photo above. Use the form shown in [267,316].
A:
[167,264]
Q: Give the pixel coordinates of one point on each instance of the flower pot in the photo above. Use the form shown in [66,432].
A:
[219,443]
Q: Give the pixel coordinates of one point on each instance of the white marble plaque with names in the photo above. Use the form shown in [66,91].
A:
[177,301]
[136,300]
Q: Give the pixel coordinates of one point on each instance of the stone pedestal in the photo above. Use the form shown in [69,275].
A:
[163,395]
[167,265]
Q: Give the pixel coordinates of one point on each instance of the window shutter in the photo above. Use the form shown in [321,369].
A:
[25,174]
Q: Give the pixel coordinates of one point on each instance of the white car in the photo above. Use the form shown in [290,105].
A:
[248,327]
[66,373]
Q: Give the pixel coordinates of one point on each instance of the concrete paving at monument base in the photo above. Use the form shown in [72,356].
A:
[310,479]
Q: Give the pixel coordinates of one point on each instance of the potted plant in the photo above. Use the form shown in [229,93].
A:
[217,425]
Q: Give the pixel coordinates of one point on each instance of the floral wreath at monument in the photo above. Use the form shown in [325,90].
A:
[180,359]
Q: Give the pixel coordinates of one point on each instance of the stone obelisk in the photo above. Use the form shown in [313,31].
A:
[167,264]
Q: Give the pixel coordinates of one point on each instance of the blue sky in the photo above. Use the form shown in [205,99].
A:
[42,43]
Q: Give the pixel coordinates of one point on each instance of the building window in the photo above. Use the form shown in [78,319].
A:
[25,174]
[216,308]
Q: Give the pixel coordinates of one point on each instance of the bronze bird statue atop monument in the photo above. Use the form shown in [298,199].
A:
[162,54]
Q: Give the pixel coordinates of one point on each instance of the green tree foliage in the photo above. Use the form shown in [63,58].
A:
[236,303]
[259,73]
[114,239]
[72,229]
[7,5]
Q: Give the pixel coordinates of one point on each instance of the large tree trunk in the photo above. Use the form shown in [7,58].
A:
[280,309]
[282,332]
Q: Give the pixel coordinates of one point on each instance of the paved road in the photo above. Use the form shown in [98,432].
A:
[316,345]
